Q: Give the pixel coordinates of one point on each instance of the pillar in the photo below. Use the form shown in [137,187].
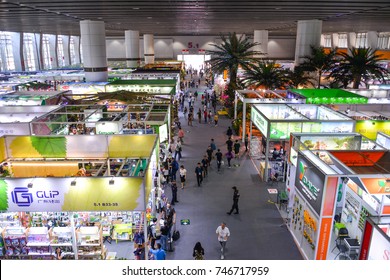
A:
[132,48]
[335,40]
[261,37]
[65,43]
[372,40]
[93,41]
[351,40]
[149,48]
[308,34]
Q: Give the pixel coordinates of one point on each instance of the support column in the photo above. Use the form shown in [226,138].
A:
[351,40]
[261,37]
[93,41]
[132,48]
[308,34]
[243,121]
[372,40]
[149,48]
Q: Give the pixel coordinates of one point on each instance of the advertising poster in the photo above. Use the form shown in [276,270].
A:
[163,133]
[371,128]
[377,185]
[59,195]
[380,246]
[329,143]
[282,130]
[309,181]
[260,122]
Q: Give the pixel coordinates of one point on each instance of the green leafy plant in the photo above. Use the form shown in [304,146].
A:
[3,195]
[50,146]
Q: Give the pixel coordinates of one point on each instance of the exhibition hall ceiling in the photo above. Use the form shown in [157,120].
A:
[183,17]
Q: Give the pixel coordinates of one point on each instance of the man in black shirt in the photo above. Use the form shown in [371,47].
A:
[199,174]
[236,196]
[218,155]
[205,165]
[229,144]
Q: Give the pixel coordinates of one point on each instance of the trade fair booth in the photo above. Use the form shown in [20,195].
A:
[376,241]
[375,96]
[259,97]
[15,120]
[275,122]
[76,193]
[103,119]
[383,140]
[335,182]
[326,96]
[28,98]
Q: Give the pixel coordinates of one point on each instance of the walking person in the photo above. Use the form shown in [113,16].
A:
[229,132]
[236,196]
[246,142]
[164,235]
[178,150]
[223,234]
[199,116]
[183,176]
[229,144]
[236,147]
[229,155]
[213,145]
[205,115]
[218,155]
[210,115]
[180,135]
[205,164]
[216,119]
[198,252]
[209,153]
[174,192]
[199,174]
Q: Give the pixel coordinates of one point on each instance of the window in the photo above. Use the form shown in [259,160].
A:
[72,51]
[343,40]
[28,51]
[328,40]
[6,51]
[361,40]
[384,41]
[46,51]
[81,53]
[60,52]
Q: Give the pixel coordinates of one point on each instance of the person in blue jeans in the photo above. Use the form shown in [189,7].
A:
[159,254]
[164,235]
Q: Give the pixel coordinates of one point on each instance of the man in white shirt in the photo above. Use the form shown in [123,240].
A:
[223,234]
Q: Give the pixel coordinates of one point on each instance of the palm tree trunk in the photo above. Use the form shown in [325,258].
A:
[356,82]
[319,79]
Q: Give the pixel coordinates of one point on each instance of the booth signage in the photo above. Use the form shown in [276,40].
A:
[377,185]
[59,194]
[260,122]
[310,183]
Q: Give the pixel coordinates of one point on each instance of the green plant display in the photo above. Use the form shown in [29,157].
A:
[3,196]
[50,146]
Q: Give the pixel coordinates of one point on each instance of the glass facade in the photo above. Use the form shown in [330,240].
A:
[6,52]
[46,51]
[361,40]
[28,52]
[72,50]
[60,52]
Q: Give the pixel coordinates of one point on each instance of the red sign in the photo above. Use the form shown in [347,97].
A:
[185,51]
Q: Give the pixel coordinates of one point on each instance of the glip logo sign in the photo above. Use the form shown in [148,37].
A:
[22,197]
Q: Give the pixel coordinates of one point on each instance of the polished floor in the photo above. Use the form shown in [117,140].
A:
[258,232]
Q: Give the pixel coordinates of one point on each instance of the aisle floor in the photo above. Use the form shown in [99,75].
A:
[257,233]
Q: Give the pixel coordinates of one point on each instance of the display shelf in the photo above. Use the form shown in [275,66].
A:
[89,242]
[60,244]
[15,241]
[61,235]
[29,244]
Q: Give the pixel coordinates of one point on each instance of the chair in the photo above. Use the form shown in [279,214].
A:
[343,233]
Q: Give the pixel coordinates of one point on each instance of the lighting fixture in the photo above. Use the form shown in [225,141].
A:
[111,181]
[30,185]
[73,183]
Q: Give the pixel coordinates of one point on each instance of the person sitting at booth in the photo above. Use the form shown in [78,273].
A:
[275,154]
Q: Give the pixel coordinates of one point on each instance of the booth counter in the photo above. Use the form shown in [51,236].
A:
[339,175]
[275,123]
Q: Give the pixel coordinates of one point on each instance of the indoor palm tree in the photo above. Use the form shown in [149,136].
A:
[298,78]
[233,52]
[319,61]
[265,74]
[358,65]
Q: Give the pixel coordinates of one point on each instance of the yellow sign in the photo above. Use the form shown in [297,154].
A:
[372,127]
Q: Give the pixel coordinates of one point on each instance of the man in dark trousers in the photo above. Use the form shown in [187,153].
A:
[199,174]
[229,144]
[174,193]
[218,155]
[236,196]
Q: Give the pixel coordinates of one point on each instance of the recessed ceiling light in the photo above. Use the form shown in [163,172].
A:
[135,8]
[150,17]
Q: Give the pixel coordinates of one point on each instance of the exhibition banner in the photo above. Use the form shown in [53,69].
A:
[79,146]
[361,158]
[260,122]
[377,185]
[309,181]
[323,239]
[371,128]
[71,194]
